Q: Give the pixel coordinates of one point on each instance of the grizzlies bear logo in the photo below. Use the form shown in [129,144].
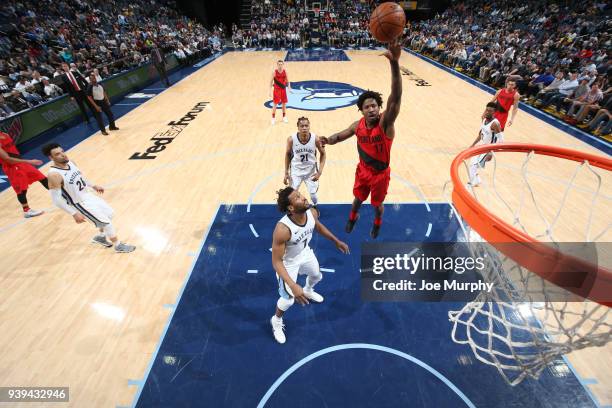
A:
[320,95]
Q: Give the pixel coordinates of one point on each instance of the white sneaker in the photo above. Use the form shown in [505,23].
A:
[273,121]
[285,120]
[32,213]
[278,329]
[312,295]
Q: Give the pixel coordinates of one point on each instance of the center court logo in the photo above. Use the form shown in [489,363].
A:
[320,95]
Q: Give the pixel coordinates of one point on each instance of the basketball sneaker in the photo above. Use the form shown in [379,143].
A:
[32,213]
[285,119]
[101,239]
[124,248]
[312,295]
[350,225]
[278,329]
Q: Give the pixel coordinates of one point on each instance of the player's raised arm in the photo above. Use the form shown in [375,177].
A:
[340,136]
[395,98]
[288,154]
[279,241]
[322,229]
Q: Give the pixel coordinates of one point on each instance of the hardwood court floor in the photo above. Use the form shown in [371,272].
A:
[77,315]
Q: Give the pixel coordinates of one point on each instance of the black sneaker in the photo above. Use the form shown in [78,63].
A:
[374,231]
[350,225]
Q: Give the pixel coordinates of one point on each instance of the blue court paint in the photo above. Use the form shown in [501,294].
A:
[594,141]
[339,347]
[218,349]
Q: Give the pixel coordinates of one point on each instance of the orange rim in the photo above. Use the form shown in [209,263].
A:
[591,281]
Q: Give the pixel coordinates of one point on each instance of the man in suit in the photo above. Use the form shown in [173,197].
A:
[158,59]
[76,85]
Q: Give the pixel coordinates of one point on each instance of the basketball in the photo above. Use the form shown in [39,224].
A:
[387,22]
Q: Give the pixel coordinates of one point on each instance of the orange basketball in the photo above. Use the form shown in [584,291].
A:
[387,22]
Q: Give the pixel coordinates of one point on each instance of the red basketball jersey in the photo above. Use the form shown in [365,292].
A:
[373,145]
[7,144]
[280,79]
[505,100]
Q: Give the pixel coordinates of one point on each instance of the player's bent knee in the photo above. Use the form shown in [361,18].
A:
[284,304]
[109,230]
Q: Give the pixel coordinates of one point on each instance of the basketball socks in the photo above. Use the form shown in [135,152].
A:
[26,208]
[378,221]
[350,224]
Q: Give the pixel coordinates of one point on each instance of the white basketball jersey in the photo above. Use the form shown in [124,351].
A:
[300,235]
[74,189]
[486,134]
[304,159]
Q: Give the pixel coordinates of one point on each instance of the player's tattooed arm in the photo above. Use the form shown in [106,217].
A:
[280,236]
[340,136]
[288,154]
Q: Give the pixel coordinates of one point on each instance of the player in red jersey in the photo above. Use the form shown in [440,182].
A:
[279,83]
[375,133]
[506,98]
[20,172]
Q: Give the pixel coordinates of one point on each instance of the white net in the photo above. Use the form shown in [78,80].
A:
[526,322]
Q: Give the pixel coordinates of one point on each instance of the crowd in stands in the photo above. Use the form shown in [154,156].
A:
[287,24]
[557,52]
[103,37]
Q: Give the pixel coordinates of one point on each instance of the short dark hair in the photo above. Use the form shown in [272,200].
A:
[367,95]
[46,150]
[492,105]
[282,199]
[280,61]
[301,118]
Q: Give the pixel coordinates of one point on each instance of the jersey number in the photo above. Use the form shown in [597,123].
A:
[303,157]
[80,184]
[305,242]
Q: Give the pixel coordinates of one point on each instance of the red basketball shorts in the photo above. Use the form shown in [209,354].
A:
[502,117]
[21,175]
[368,180]
[280,96]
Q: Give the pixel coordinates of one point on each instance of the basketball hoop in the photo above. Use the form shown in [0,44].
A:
[523,324]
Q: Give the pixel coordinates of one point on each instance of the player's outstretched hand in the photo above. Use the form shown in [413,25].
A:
[323,140]
[298,294]
[78,218]
[35,162]
[98,189]
[343,247]
[394,50]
